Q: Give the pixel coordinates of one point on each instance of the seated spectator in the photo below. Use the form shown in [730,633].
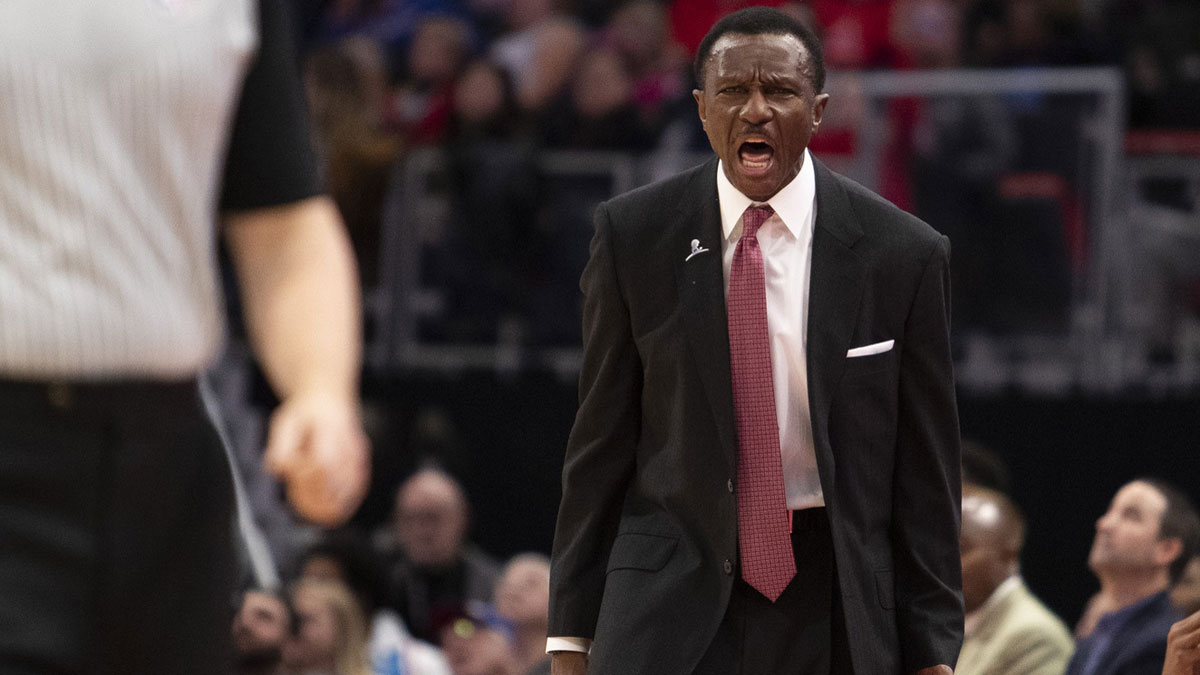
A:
[523,597]
[436,568]
[1008,630]
[343,557]
[598,112]
[1143,542]
[331,633]
[478,641]
[1183,647]
[260,628]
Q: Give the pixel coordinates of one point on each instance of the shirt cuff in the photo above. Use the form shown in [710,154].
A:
[568,644]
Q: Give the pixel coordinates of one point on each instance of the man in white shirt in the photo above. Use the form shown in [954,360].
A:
[763,475]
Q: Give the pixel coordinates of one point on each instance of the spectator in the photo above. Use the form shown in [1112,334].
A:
[347,86]
[640,35]
[345,558]
[523,597]
[540,50]
[1142,544]
[490,257]
[331,633]
[1008,630]
[421,105]
[484,105]
[260,628]
[436,567]
[478,641]
[598,111]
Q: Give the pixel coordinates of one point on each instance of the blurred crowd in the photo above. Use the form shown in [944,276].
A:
[418,598]
[491,84]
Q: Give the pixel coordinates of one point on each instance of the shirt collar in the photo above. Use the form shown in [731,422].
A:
[793,203]
[1005,589]
[1117,619]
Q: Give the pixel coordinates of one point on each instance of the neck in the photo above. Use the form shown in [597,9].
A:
[1122,591]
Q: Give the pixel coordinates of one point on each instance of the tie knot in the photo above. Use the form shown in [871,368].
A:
[754,217]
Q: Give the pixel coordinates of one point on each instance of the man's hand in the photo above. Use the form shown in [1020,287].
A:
[936,670]
[1183,647]
[317,446]
[568,663]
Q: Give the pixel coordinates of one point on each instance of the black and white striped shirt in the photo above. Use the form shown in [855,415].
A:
[124,126]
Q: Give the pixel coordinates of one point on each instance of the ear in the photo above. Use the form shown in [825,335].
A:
[818,110]
[698,94]
[1167,550]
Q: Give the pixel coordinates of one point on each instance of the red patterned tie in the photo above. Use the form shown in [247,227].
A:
[763,531]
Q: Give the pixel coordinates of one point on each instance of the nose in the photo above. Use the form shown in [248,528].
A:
[756,110]
[1102,523]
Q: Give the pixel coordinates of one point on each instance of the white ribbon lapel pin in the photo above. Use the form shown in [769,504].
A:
[697,249]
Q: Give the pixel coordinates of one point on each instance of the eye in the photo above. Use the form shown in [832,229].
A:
[779,91]
[733,89]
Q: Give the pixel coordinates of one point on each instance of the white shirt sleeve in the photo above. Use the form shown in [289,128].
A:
[568,644]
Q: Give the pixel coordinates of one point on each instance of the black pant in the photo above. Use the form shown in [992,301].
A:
[803,632]
[115,531]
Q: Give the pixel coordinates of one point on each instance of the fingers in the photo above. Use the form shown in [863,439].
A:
[324,457]
[1183,647]
[284,439]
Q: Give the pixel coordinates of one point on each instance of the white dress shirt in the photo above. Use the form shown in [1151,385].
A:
[786,243]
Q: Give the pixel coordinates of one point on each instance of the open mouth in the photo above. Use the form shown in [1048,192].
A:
[755,155]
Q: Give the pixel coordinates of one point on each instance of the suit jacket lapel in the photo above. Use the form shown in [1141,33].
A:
[835,290]
[701,284]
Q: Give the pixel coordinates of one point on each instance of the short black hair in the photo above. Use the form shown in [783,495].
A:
[762,21]
[1179,521]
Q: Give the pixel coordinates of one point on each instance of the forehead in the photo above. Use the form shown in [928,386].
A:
[743,55]
[1141,496]
[428,491]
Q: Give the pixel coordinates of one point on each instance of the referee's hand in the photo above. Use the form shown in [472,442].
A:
[316,445]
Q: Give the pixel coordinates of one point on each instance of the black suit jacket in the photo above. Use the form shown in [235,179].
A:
[1139,647]
[645,552]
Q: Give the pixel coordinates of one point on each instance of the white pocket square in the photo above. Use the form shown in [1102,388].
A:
[877,348]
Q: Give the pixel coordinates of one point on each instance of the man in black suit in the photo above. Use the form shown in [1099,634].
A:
[763,476]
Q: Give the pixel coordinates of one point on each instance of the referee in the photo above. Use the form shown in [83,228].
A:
[126,128]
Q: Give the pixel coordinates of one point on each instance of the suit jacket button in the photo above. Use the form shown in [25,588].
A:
[729,485]
[728,567]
